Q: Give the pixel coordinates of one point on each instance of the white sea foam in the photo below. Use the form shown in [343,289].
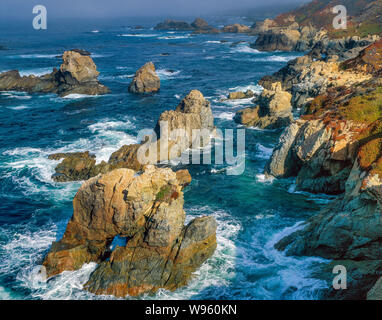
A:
[224,115]
[35,72]
[263,152]
[244,49]
[95,31]
[75,96]
[264,179]
[165,74]
[18,108]
[252,86]
[174,37]
[139,35]
[36,56]
[277,58]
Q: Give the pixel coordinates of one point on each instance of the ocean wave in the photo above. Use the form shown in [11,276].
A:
[36,56]
[75,96]
[243,49]
[264,179]
[18,108]
[252,86]
[139,35]
[263,152]
[224,115]
[35,72]
[277,58]
[173,37]
[165,74]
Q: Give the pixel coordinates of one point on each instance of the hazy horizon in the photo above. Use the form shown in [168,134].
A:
[84,9]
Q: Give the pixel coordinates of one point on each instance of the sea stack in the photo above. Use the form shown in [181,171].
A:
[77,75]
[146,210]
[145,80]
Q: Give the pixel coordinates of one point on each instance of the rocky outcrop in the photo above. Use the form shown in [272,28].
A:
[174,25]
[202,27]
[273,110]
[236,28]
[145,80]
[241,95]
[308,76]
[198,26]
[147,211]
[335,148]
[77,74]
[191,124]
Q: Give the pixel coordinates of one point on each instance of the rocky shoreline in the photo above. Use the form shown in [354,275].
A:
[335,148]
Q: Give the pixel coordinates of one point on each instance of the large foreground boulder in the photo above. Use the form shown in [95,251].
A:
[147,211]
[145,80]
[77,75]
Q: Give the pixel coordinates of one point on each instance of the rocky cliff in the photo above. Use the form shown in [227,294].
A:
[335,148]
[198,26]
[77,74]
[146,210]
[305,27]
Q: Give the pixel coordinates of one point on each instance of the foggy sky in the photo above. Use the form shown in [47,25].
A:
[22,9]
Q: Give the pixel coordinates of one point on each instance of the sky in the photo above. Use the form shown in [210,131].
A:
[22,9]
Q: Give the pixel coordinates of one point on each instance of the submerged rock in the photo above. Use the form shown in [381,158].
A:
[145,80]
[273,110]
[78,74]
[145,209]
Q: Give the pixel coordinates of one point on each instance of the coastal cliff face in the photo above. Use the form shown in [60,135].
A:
[312,25]
[147,211]
[77,75]
[193,112]
[335,148]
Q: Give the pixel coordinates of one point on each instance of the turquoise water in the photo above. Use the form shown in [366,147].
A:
[252,212]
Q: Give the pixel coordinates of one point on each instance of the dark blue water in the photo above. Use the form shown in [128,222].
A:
[252,213]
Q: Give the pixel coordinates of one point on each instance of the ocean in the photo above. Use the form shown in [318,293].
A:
[252,212]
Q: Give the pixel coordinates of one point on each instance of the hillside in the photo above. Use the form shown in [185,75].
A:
[364,16]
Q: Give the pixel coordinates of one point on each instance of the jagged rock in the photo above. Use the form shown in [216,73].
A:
[173,25]
[236,28]
[193,113]
[77,74]
[146,210]
[349,228]
[310,150]
[282,40]
[273,110]
[306,77]
[146,80]
[79,65]
[241,95]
